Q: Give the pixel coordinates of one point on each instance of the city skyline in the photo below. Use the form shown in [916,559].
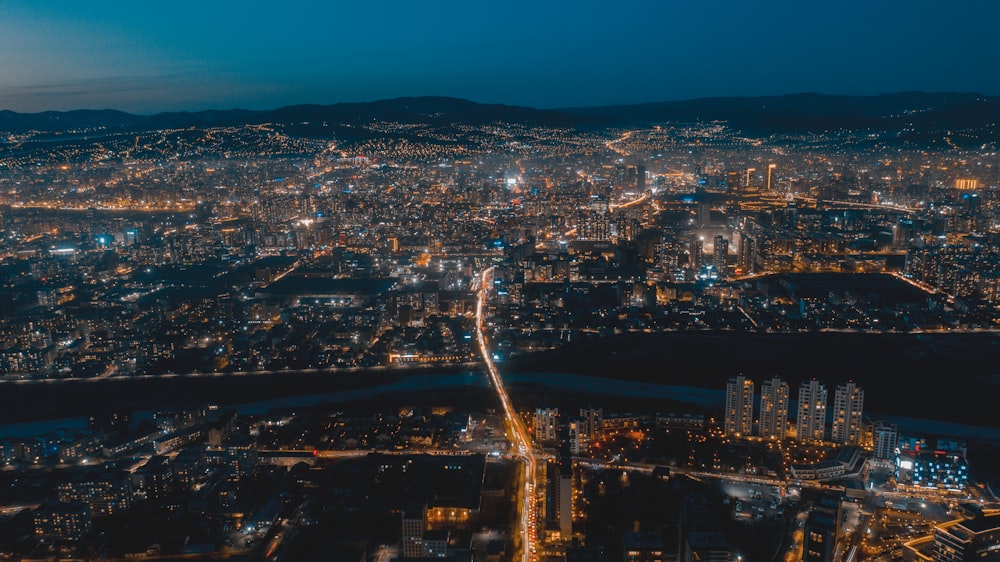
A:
[62,56]
[257,316]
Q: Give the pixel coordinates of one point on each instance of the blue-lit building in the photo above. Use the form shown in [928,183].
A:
[932,469]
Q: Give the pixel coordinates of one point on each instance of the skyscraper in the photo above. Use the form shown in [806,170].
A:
[847,403]
[697,253]
[719,253]
[811,422]
[748,253]
[773,408]
[739,406]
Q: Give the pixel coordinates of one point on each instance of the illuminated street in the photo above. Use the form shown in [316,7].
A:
[520,437]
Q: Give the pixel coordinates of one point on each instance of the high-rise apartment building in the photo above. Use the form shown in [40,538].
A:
[546,425]
[591,422]
[578,440]
[847,403]
[885,435]
[773,409]
[739,406]
[811,422]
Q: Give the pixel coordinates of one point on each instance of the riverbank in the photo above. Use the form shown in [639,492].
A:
[73,398]
[941,376]
[463,388]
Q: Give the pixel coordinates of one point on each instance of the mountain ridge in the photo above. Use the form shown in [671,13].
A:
[790,113]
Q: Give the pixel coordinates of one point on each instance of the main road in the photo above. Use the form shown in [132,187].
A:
[517,431]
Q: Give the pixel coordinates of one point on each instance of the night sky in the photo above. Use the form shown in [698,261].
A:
[189,55]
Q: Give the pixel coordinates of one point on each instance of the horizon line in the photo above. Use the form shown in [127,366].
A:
[503,104]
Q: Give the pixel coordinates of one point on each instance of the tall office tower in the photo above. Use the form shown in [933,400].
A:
[697,254]
[748,253]
[546,425]
[811,422]
[704,214]
[770,172]
[719,253]
[739,406]
[885,441]
[774,409]
[847,403]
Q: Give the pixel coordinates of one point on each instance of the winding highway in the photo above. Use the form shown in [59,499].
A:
[517,431]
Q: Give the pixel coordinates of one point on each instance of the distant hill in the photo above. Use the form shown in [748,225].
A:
[814,112]
[430,110]
[911,113]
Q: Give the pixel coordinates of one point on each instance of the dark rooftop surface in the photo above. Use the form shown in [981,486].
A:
[982,524]
[880,288]
[295,285]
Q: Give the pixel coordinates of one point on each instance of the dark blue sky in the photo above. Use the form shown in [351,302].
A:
[188,55]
